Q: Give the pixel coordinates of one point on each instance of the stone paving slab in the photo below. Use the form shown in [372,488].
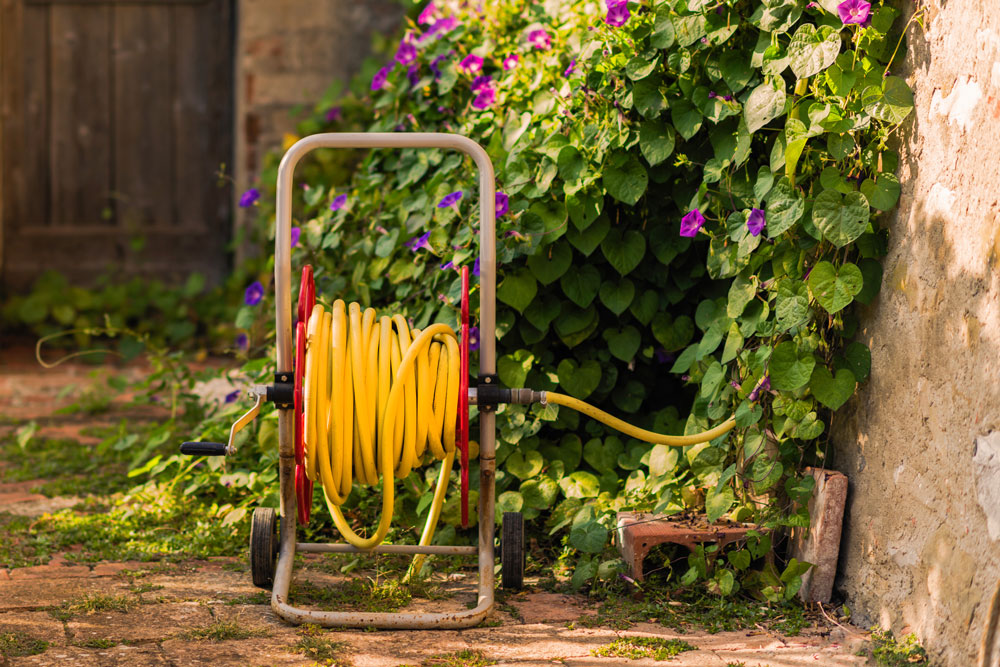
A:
[263,651]
[145,623]
[117,656]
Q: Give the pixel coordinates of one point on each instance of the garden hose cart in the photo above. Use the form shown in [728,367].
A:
[367,400]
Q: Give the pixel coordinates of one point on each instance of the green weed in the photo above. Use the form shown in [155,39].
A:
[94,602]
[369,595]
[221,630]
[18,644]
[314,646]
[890,652]
[464,658]
[637,648]
[97,643]
[260,597]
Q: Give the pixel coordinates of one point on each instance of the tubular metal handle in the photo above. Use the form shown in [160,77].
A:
[204,448]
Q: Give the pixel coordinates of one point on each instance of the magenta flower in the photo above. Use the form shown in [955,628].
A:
[448,200]
[249,198]
[691,223]
[540,39]
[406,53]
[378,81]
[572,68]
[296,233]
[481,82]
[618,13]
[333,114]
[854,11]
[471,64]
[418,242]
[485,98]
[413,74]
[232,396]
[427,14]
[338,202]
[242,342]
[755,221]
[442,26]
[475,267]
[436,61]
[511,61]
[254,293]
[447,265]
[473,339]
[502,204]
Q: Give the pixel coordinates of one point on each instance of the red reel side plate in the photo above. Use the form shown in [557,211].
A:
[463,400]
[303,485]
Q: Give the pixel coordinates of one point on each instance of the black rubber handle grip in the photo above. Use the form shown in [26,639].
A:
[204,448]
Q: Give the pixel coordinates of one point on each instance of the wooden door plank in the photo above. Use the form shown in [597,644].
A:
[80,81]
[143,135]
[202,114]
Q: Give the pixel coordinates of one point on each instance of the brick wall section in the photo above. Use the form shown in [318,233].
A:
[920,546]
[288,52]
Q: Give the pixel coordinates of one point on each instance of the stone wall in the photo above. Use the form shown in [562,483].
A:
[920,550]
[288,52]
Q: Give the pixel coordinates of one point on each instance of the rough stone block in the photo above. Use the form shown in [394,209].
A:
[820,544]
[639,532]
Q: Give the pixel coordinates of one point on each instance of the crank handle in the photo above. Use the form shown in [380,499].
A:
[219,449]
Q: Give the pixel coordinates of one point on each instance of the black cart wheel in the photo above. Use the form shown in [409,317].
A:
[512,551]
[263,546]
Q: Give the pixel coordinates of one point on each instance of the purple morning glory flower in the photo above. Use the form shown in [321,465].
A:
[413,74]
[448,200]
[572,68]
[728,98]
[485,98]
[249,198]
[378,81]
[436,61]
[232,396]
[473,339]
[333,114]
[540,39]
[447,265]
[502,204]
[510,62]
[471,64]
[338,202]
[475,267]
[712,95]
[755,221]
[427,14]
[662,356]
[296,233]
[418,242]
[253,294]
[762,386]
[618,13]
[242,341]
[481,82]
[854,11]
[691,223]
[406,53]
[442,26]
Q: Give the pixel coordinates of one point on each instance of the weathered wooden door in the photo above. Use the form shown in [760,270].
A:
[116,119]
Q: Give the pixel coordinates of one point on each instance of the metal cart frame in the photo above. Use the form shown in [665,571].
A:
[487,419]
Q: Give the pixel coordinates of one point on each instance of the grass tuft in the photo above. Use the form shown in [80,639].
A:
[370,595]
[97,643]
[890,652]
[94,602]
[221,630]
[18,644]
[313,645]
[464,658]
[637,648]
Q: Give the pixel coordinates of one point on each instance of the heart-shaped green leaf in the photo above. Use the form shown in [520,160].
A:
[549,265]
[811,51]
[550,216]
[672,334]
[518,289]
[792,304]
[882,193]
[586,241]
[579,381]
[764,105]
[656,141]
[790,366]
[581,484]
[835,288]
[784,207]
[584,207]
[524,464]
[625,178]
[543,310]
[718,503]
[580,285]
[539,493]
[644,307]
[623,251]
[617,297]
[571,164]
[686,118]
[513,368]
[648,97]
[575,325]
[832,390]
[623,343]
[841,218]
[859,360]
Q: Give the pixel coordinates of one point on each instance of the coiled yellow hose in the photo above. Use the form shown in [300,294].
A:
[378,395]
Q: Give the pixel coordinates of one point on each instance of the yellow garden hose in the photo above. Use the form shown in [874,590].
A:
[378,395]
[635,431]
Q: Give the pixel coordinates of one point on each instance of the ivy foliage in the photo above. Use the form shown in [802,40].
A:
[603,138]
